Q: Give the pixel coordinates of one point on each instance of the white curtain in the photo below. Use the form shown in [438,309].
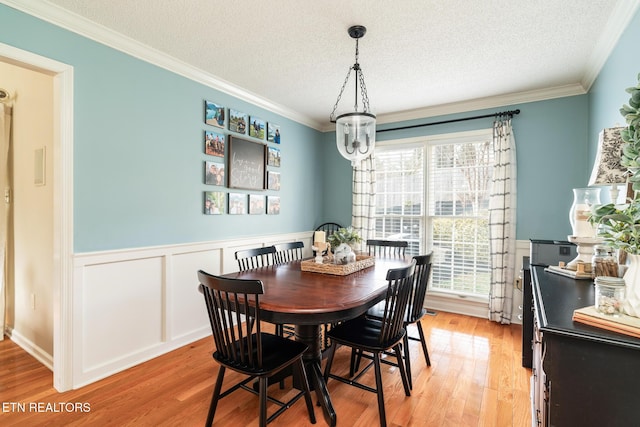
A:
[364,198]
[5,137]
[502,222]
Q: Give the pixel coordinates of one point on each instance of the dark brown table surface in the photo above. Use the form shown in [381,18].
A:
[309,300]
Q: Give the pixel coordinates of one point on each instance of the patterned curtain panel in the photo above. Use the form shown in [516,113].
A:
[364,198]
[502,222]
[5,135]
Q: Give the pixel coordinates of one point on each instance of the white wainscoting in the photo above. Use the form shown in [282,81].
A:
[133,305]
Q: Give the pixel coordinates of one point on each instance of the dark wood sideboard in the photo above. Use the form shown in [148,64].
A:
[582,375]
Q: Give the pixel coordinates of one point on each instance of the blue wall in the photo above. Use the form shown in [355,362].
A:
[139,149]
[608,94]
[138,152]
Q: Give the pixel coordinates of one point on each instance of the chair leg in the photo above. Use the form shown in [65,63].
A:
[215,396]
[263,401]
[327,367]
[379,389]
[403,373]
[407,360]
[301,373]
[423,342]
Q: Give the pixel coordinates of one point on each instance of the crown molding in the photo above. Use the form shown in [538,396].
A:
[622,14]
[103,35]
[618,22]
[499,101]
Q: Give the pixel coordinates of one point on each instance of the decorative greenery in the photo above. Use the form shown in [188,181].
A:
[620,227]
[344,235]
[631,135]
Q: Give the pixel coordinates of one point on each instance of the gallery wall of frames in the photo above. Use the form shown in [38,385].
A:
[242,161]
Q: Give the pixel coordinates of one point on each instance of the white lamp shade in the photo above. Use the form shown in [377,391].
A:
[607,169]
[356,135]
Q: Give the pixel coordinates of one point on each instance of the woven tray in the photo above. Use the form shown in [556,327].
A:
[328,267]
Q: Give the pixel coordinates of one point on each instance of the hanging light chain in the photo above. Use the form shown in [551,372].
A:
[363,87]
[332,117]
[363,90]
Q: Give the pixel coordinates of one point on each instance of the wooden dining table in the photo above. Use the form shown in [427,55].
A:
[309,300]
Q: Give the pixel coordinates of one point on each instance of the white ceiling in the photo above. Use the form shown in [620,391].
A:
[433,56]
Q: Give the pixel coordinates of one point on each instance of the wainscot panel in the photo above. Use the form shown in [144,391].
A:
[136,304]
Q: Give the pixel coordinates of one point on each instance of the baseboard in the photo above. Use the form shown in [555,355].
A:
[27,345]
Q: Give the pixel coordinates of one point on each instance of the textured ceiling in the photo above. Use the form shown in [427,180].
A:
[416,54]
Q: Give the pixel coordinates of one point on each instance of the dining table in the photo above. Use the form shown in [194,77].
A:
[309,300]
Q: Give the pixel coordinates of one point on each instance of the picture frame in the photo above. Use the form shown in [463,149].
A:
[256,204]
[273,133]
[246,164]
[237,204]
[214,173]
[273,205]
[273,157]
[257,128]
[214,144]
[238,121]
[214,114]
[214,202]
[273,181]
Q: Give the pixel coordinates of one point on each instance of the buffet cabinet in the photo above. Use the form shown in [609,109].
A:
[581,375]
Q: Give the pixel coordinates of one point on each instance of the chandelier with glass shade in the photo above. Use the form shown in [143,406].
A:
[355,131]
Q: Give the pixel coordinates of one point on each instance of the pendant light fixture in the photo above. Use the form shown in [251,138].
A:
[355,131]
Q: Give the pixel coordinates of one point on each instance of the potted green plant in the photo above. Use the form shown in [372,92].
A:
[343,242]
[620,225]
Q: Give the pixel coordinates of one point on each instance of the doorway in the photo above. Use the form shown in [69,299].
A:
[51,289]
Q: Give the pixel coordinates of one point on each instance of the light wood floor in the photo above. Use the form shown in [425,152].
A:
[475,379]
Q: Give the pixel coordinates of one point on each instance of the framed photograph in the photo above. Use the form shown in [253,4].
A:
[238,121]
[273,205]
[214,202]
[273,133]
[237,204]
[214,144]
[256,204]
[214,173]
[213,114]
[273,159]
[256,128]
[274,180]
[246,164]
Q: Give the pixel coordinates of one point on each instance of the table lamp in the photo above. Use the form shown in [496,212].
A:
[607,170]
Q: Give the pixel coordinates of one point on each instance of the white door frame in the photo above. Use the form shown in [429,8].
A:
[62,280]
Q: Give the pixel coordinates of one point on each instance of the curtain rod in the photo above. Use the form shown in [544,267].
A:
[502,113]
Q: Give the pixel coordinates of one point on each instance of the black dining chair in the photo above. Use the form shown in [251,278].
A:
[256,257]
[233,306]
[287,252]
[395,248]
[414,313]
[372,337]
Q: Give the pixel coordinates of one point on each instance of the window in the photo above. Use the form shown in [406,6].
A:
[434,193]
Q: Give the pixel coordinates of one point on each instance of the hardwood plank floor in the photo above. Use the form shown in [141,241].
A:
[475,379]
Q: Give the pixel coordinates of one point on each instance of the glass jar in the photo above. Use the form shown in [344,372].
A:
[580,211]
[603,263]
[610,294]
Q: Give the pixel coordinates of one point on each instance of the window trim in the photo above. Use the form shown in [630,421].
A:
[427,142]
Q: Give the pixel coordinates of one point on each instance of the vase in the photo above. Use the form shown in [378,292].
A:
[583,199]
[631,303]
[343,254]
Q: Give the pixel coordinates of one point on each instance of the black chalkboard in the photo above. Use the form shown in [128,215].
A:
[246,164]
